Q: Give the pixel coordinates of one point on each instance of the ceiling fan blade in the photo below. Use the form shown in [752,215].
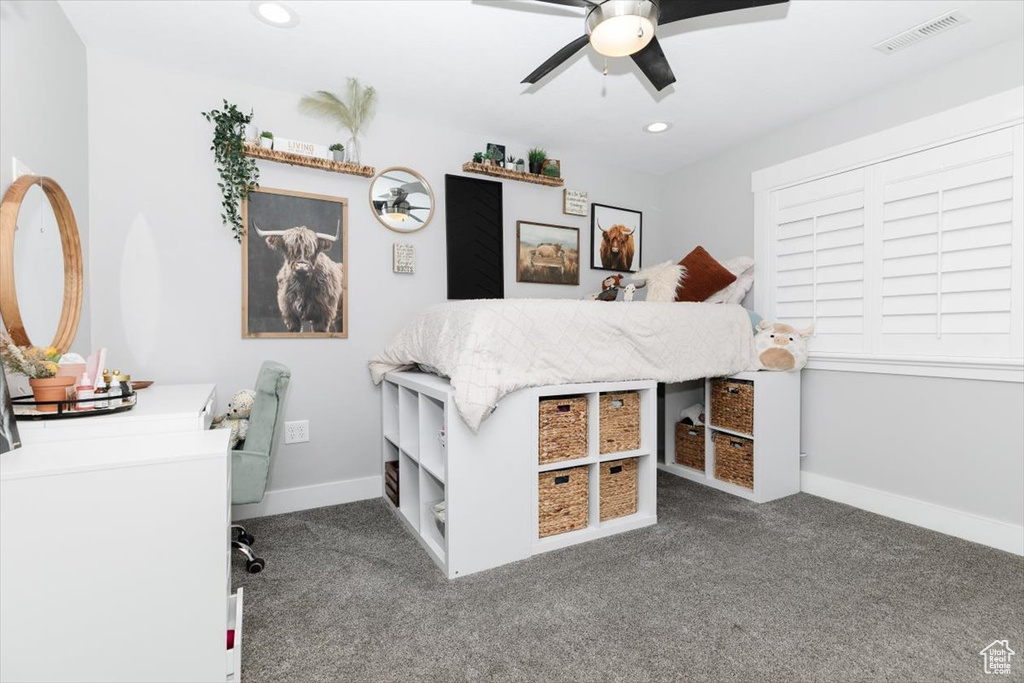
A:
[556,59]
[653,63]
[676,10]
[571,3]
[415,188]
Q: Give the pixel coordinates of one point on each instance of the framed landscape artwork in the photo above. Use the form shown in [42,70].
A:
[294,265]
[547,254]
[615,236]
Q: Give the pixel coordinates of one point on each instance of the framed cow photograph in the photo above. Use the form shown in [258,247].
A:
[615,238]
[294,265]
[547,254]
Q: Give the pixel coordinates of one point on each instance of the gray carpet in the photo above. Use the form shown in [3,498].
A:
[801,589]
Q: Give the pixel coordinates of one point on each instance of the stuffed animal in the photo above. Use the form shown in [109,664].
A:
[780,346]
[611,282]
[237,417]
[694,415]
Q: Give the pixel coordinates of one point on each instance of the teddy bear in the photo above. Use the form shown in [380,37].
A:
[237,417]
[780,346]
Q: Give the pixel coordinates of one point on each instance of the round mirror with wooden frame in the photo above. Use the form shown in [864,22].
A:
[71,247]
[401,199]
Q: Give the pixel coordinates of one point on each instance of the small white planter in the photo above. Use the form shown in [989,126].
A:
[338,154]
[267,143]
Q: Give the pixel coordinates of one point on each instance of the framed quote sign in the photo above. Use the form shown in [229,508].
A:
[574,202]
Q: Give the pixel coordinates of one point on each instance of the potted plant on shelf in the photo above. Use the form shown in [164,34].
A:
[478,157]
[239,174]
[40,366]
[536,157]
[267,140]
[488,158]
[552,172]
[338,151]
[520,165]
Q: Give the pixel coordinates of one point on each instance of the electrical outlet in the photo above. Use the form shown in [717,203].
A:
[296,431]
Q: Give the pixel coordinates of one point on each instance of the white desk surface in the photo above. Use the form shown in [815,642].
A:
[168,401]
[45,459]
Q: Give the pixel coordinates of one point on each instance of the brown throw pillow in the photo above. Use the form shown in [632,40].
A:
[704,276]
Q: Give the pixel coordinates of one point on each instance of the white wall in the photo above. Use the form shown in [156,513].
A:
[166,273]
[45,126]
[954,443]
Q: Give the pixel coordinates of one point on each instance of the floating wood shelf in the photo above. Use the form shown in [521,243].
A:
[499,172]
[299,160]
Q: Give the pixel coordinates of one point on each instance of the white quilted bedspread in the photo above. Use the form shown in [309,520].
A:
[490,348]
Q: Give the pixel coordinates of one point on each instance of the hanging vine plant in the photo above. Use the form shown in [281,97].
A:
[238,173]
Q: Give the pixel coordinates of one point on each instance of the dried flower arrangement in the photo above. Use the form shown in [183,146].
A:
[31,361]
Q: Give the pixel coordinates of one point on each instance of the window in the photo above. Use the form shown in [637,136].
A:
[913,264]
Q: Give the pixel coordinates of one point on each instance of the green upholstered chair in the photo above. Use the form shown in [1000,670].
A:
[250,461]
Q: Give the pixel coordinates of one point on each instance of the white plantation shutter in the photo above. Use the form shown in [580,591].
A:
[947,248]
[916,258]
[819,260]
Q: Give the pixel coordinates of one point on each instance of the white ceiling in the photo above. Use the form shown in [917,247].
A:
[739,75]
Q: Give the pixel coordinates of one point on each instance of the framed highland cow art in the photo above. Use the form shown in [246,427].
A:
[547,254]
[615,238]
[294,265]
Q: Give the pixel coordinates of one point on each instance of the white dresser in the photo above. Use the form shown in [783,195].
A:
[114,550]
[160,409]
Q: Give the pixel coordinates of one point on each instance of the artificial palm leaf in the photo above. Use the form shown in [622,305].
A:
[351,115]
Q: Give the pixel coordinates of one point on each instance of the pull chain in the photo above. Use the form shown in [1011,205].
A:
[605,72]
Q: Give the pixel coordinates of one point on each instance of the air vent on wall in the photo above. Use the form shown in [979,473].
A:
[928,29]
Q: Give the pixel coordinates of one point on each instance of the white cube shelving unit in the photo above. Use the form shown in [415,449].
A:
[489,480]
[776,437]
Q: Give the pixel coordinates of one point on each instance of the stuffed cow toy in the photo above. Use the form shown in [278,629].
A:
[780,346]
[237,417]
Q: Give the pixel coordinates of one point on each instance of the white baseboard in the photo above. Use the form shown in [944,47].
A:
[983,530]
[307,497]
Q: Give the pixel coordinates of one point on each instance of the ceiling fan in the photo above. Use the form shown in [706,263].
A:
[617,28]
[395,205]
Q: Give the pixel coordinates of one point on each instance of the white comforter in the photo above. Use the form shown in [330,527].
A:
[490,348]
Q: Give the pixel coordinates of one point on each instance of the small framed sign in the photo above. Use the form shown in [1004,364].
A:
[404,258]
[305,149]
[574,202]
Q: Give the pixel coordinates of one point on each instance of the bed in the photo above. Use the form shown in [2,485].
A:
[489,348]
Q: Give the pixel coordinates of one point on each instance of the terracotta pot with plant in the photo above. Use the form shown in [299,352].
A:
[40,366]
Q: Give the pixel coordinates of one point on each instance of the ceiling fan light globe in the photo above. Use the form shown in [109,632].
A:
[619,28]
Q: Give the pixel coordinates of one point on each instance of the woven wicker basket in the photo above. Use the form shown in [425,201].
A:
[620,422]
[563,429]
[690,446]
[732,405]
[618,488]
[734,460]
[562,500]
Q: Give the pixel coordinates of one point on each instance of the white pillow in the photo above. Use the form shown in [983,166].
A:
[662,280]
[743,268]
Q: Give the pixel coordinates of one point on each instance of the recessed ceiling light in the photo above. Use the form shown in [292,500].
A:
[274,13]
[657,127]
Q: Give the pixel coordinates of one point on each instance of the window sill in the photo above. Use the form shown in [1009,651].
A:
[957,368]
